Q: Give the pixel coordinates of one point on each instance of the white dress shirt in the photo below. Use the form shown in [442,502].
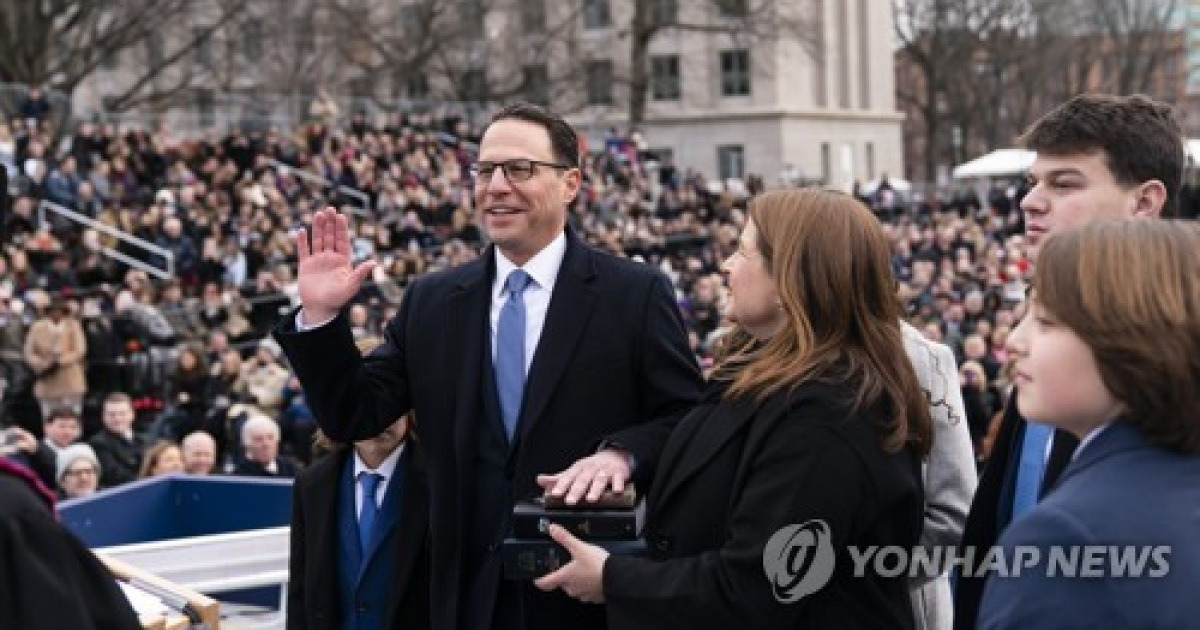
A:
[387,470]
[543,268]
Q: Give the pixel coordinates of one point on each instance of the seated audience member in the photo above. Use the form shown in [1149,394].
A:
[1108,351]
[186,402]
[78,471]
[199,451]
[116,444]
[162,458]
[260,437]
[62,428]
[297,423]
[264,378]
[51,579]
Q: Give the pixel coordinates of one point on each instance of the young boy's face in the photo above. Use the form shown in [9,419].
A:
[1056,374]
[1070,190]
[63,430]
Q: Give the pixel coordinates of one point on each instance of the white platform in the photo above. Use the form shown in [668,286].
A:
[219,563]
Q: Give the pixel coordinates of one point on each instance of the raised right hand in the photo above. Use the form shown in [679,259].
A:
[325,278]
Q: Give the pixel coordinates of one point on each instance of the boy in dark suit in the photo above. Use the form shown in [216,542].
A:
[1108,354]
[359,557]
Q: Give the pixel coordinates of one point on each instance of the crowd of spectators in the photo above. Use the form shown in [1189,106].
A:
[190,356]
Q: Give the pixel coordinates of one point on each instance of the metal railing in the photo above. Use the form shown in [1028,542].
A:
[166,254]
[364,207]
[361,196]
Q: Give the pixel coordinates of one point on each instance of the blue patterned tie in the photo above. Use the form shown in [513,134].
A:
[510,351]
[1032,467]
[370,509]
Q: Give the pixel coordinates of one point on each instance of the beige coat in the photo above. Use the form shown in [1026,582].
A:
[43,343]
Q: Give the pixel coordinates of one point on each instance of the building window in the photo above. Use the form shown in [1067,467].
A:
[735,72]
[471,13]
[664,78]
[664,12]
[361,86]
[599,83]
[304,33]
[843,55]
[826,164]
[154,50]
[412,24]
[731,161]
[475,86]
[871,161]
[821,76]
[1170,78]
[535,84]
[417,86]
[733,8]
[864,55]
[202,50]
[596,14]
[252,36]
[533,15]
[204,108]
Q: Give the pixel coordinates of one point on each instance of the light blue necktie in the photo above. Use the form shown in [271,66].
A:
[370,509]
[1033,467]
[510,351]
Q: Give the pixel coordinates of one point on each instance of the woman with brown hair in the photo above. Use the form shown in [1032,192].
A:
[809,440]
[161,458]
[1109,350]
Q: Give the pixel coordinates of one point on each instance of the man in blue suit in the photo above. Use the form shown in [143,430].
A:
[355,562]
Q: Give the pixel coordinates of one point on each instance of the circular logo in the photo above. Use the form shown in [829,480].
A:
[798,560]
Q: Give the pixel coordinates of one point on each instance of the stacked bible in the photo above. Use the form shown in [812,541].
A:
[611,522]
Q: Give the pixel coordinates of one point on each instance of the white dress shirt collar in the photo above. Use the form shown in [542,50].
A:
[386,469]
[1089,438]
[543,267]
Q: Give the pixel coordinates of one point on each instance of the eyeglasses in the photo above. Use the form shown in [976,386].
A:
[80,472]
[516,170]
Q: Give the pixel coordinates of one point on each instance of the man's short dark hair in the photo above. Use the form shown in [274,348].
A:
[563,140]
[1140,138]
